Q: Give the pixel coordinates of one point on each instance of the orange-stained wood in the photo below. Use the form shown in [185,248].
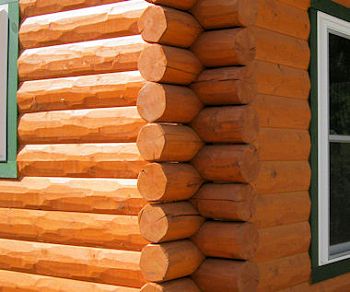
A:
[15,281]
[105,196]
[169,221]
[180,4]
[120,124]
[81,160]
[84,58]
[168,142]
[167,103]
[285,272]
[82,92]
[229,163]
[214,14]
[97,230]
[113,267]
[174,260]
[164,182]
[235,124]
[226,275]
[225,47]
[282,241]
[227,240]
[232,202]
[169,26]
[184,284]
[100,22]
[166,64]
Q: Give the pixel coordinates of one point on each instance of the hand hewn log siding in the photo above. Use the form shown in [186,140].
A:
[82,92]
[108,196]
[106,21]
[101,56]
[97,230]
[80,126]
[112,267]
[81,160]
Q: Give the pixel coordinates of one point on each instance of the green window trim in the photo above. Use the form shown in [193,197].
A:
[320,273]
[8,169]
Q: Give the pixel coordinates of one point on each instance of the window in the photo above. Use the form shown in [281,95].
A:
[9,16]
[330,161]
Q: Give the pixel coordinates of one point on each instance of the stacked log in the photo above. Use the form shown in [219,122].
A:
[168,143]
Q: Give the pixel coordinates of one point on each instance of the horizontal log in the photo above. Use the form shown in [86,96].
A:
[167,103]
[179,4]
[14,281]
[225,201]
[230,163]
[279,80]
[113,267]
[213,14]
[184,284]
[301,4]
[281,209]
[99,22]
[174,260]
[93,57]
[169,26]
[96,230]
[236,124]
[286,272]
[168,222]
[168,182]
[80,126]
[225,47]
[94,91]
[228,85]
[39,7]
[281,112]
[168,65]
[227,240]
[226,275]
[283,241]
[108,196]
[168,142]
[283,177]
[275,15]
[283,144]
[281,49]
[81,160]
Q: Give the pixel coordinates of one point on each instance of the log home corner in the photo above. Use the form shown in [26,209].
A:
[174,145]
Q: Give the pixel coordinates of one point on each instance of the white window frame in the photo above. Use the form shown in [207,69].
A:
[327,24]
[3,80]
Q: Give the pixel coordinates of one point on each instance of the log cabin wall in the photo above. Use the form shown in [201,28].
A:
[69,223]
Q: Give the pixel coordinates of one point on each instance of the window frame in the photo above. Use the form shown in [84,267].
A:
[8,168]
[329,270]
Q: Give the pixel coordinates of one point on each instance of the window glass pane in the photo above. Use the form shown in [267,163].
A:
[339,85]
[339,193]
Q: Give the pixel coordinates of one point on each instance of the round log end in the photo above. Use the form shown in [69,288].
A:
[184,284]
[247,12]
[151,102]
[154,263]
[153,223]
[249,165]
[152,182]
[245,46]
[153,63]
[151,142]
[153,24]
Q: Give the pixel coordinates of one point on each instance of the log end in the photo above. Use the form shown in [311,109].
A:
[152,182]
[154,263]
[151,142]
[151,102]
[152,63]
[184,284]
[153,223]
[247,12]
[153,24]
[245,46]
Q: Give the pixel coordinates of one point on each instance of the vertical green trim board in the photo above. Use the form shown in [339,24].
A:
[320,273]
[8,169]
